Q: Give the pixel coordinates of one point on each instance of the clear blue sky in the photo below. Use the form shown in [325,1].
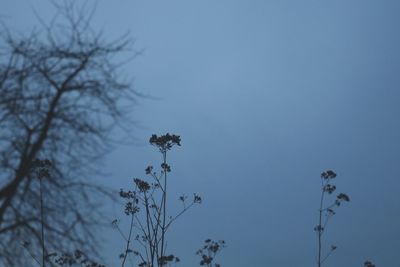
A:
[265,95]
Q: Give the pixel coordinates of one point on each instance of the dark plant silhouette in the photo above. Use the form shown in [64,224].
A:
[77,258]
[72,259]
[42,169]
[326,212]
[60,97]
[146,205]
[368,264]
[209,251]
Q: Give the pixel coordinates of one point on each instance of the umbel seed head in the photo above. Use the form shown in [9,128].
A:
[165,142]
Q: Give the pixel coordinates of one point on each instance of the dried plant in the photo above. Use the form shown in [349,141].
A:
[368,264]
[326,212]
[72,259]
[147,206]
[209,251]
[42,169]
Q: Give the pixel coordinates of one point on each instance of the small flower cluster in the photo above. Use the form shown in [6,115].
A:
[209,251]
[328,174]
[164,260]
[71,259]
[127,194]
[368,264]
[165,142]
[131,205]
[196,199]
[41,168]
[343,197]
[142,185]
[149,170]
[165,167]
[131,208]
[340,198]
[329,188]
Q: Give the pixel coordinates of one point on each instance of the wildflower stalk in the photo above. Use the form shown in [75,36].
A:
[42,221]
[328,211]
[147,203]
[128,241]
[209,251]
[164,206]
[41,167]
[320,224]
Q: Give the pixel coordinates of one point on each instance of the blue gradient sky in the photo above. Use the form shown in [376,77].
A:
[265,95]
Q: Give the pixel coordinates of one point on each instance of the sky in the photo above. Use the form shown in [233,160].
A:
[265,96]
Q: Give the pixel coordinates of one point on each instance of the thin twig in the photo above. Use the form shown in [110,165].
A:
[42,221]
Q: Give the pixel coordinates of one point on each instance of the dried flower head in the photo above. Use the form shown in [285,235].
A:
[165,142]
[149,169]
[166,167]
[41,168]
[343,197]
[196,199]
[209,250]
[368,264]
[164,260]
[142,185]
[329,174]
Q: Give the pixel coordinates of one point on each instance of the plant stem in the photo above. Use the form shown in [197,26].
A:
[128,240]
[164,208]
[320,225]
[149,223]
[41,220]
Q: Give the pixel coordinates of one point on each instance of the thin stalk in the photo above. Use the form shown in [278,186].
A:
[320,230]
[42,221]
[128,241]
[33,256]
[164,206]
[148,224]
[158,227]
[209,256]
[178,215]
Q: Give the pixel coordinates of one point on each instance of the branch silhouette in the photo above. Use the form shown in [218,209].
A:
[61,93]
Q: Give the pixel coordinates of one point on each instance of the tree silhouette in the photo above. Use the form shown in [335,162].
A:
[60,98]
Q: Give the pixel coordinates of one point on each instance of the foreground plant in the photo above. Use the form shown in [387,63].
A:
[146,205]
[42,170]
[77,258]
[209,251]
[368,264]
[327,211]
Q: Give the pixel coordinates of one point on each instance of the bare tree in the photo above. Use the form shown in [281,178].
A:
[60,96]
